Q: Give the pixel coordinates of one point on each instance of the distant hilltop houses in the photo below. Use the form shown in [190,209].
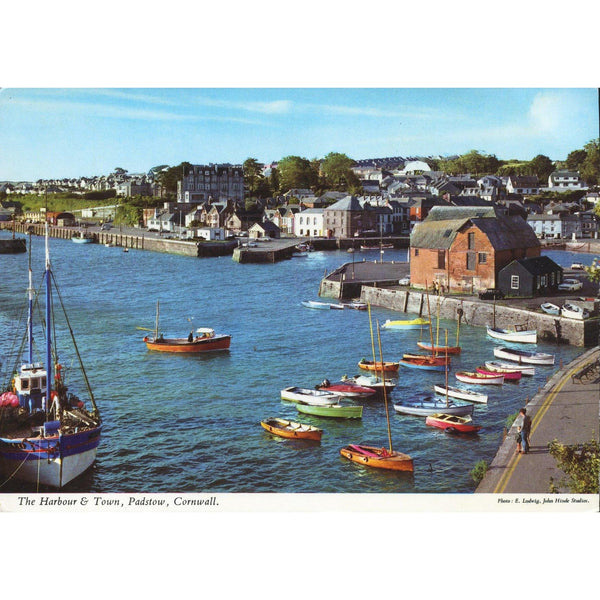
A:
[397,194]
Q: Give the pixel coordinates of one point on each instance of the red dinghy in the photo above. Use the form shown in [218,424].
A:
[346,388]
[508,375]
[452,423]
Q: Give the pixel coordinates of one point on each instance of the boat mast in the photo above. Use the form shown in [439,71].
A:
[156,324]
[387,412]
[446,368]
[48,276]
[372,340]
[429,315]
[30,293]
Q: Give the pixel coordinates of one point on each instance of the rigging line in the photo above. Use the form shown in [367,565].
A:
[85,377]
[13,473]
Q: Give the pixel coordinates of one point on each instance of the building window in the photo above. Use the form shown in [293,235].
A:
[471,241]
[441,259]
[471,261]
[416,252]
[514,282]
[482,257]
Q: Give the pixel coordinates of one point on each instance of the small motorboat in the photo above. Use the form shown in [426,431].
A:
[452,423]
[522,356]
[509,335]
[339,411]
[498,365]
[308,396]
[291,429]
[347,389]
[374,382]
[206,340]
[378,366]
[577,266]
[475,378]
[355,305]
[321,305]
[572,311]
[460,393]
[509,374]
[406,324]
[379,458]
[550,309]
[421,406]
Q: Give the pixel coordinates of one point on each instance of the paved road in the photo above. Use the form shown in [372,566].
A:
[564,410]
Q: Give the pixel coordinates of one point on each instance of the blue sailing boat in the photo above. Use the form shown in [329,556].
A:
[47,435]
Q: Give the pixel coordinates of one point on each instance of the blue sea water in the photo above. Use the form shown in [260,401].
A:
[192,423]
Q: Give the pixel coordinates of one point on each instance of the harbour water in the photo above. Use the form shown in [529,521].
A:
[177,423]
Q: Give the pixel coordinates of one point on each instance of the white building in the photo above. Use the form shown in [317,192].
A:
[309,223]
[564,180]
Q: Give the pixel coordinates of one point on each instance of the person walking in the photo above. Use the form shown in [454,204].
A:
[519,437]
[525,431]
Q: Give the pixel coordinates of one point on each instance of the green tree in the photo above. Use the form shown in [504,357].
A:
[575,160]
[336,168]
[274,181]
[541,166]
[590,167]
[581,464]
[252,175]
[296,172]
[169,177]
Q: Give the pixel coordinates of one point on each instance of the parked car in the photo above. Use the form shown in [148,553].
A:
[570,285]
[404,281]
[491,294]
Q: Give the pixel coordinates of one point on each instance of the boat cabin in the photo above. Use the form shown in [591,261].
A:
[30,386]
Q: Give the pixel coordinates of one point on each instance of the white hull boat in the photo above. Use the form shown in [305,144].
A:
[521,356]
[308,396]
[550,309]
[497,364]
[519,337]
[475,378]
[429,405]
[572,311]
[460,393]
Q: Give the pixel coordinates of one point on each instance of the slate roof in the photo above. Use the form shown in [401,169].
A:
[539,265]
[440,228]
[348,203]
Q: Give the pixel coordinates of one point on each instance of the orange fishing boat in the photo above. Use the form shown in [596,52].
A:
[205,340]
[379,366]
[292,430]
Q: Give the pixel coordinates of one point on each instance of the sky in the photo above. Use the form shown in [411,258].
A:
[72,132]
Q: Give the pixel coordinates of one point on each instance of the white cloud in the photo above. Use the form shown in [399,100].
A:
[547,112]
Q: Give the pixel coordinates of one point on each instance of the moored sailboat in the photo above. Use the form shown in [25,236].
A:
[47,435]
[374,456]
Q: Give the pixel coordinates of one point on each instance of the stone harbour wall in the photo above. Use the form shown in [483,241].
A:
[483,314]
